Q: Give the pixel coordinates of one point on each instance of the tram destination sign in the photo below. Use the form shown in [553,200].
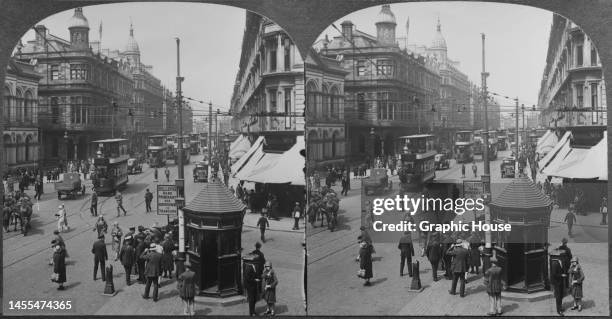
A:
[166,200]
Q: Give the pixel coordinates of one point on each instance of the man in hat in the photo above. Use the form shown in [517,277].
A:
[93,208]
[119,199]
[131,235]
[570,219]
[407,252]
[263,223]
[152,271]
[557,280]
[127,256]
[100,257]
[148,200]
[458,266]
[492,280]
[297,214]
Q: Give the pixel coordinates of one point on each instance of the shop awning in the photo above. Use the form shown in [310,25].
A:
[559,159]
[283,168]
[547,142]
[250,154]
[543,163]
[588,164]
[239,147]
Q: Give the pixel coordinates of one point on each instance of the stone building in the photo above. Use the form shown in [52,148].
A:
[21,135]
[82,94]
[325,123]
[389,91]
[268,94]
[572,91]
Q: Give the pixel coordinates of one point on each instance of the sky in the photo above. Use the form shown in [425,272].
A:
[515,46]
[210,47]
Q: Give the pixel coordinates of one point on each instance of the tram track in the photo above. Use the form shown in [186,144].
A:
[70,235]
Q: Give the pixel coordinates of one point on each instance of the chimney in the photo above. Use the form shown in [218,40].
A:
[41,34]
[347,30]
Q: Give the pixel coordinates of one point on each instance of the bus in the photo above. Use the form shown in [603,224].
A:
[502,138]
[194,144]
[478,142]
[417,158]
[157,150]
[110,165]
[464,143]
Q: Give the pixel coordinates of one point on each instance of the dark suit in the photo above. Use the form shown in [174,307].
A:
[140,263]
[152,272]
[251,285]
[434,252]
[459,266]
[557,280]
[127,255]
[100,258]
[407,251]
[94,204]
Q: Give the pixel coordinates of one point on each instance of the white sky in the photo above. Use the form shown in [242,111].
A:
[211,39]
[516,40]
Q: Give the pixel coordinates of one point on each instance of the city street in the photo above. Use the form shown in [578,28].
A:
[27,273]
[335,289]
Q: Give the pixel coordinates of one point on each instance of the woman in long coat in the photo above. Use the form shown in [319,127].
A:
[365,262]
[475,242]
[59,265]
[186,288]
[576,279]
[270,281]
[167,258]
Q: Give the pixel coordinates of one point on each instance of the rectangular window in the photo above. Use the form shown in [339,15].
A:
[361,106]
[361,68]
[594,95]
[287,101]
[579,55]
[384,67]
[273,59]
[579,96]
[288,58]
[272,94]
[55,72]
[593,56]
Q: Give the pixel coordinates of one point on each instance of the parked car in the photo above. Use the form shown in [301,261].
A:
[507,167]
[441,161]
[69,186]
[377,182]
[134,166]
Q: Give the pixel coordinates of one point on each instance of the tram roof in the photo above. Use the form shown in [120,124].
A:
[415,136]
[110,140]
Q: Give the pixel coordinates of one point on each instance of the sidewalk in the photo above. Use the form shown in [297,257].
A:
[284,224]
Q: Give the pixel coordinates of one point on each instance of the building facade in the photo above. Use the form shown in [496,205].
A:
[389,91]
[83,95]
[325,123]
[572,91]
[21,135]
[268,92]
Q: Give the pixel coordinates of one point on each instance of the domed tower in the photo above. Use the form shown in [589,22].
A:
[79,30]
[438,45]
[385,26]
[132,51]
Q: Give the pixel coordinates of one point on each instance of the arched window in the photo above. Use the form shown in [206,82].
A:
[28,111]
[28,141]
[311,100]
[19,106]
[7,103]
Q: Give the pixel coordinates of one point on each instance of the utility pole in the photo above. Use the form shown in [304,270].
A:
[180,181]
[516,137]
[217,133]
[486,177]
[209,137]
[524,132]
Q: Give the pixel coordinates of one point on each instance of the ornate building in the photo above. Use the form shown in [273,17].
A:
[389,91]
[269,89]
[83,95]
[325,125]
[572,91]
[21,134]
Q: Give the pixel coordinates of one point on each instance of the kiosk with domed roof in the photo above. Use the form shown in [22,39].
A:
[213,229]
[522,252]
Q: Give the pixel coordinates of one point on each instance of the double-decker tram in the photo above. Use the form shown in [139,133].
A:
[111,172]
[417,158]
[464,143]
[478,143]
[194,144]
[157,150]
[502,138]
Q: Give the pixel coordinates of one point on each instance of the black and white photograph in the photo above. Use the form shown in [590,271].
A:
[153,164]
[499,102]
